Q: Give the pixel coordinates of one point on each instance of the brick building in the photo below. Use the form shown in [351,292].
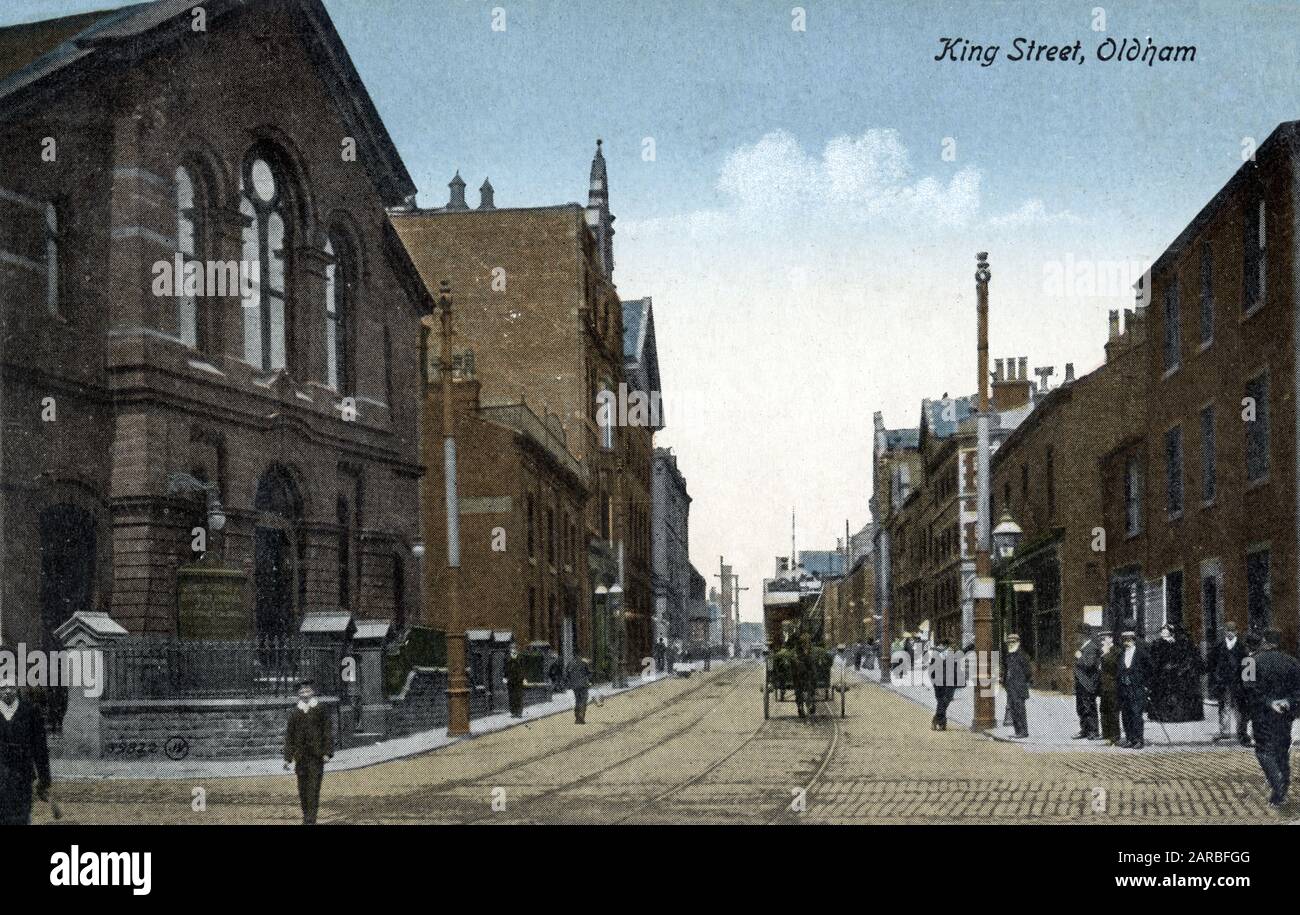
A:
[285,404]
[1046,477]
[522,497]
[1203,511]
[537,311]
[671,548]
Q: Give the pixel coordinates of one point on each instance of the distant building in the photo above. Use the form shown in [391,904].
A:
[670,547]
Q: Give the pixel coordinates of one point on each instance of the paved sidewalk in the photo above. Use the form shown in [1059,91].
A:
[350,758]
[1053,722]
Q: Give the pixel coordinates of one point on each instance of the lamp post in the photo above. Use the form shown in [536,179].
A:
[1006,540]
[457,684]
[602,596]
[983,719]
[620,628]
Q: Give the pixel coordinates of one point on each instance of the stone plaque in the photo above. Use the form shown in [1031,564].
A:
[211,602]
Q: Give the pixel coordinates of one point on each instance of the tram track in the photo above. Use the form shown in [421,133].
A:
[554,792]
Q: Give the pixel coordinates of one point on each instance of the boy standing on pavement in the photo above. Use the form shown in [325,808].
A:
[308,745]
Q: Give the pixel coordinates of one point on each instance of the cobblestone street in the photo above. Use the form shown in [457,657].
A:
[697,750]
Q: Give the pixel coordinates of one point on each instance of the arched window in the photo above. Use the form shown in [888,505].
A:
[264,202]
[191,242]
[53,270]
[340,282]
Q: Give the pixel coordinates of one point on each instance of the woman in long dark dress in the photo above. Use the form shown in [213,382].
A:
[1176,690]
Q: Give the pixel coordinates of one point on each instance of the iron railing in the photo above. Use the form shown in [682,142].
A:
[169,668]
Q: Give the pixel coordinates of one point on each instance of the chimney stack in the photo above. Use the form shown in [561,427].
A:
[1069,372]
[457,199]
[485,196]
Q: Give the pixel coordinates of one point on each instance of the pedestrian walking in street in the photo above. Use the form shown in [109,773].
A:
[946,674]
[1134,681]
[515,682]
[579,679]
[1087,683]
[1109,690]
[1016,680]
[1274,697]
[660,655]
[1226,686]
[1176,684]
[308,746]
[24,755]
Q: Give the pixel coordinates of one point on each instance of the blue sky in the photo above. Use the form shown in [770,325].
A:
[809,249]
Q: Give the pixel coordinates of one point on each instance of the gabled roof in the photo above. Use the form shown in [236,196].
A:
[40,60]
[640,350]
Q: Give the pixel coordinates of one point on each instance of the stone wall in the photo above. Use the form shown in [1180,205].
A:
[149,729]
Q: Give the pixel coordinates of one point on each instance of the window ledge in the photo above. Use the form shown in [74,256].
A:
[1251,311]
[1205,344]
[1171,371]
[1209,504]
[1255,484]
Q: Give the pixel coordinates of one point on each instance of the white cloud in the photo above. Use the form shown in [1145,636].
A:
[868,178]
[1033,213]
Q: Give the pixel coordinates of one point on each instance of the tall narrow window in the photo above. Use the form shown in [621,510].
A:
[1174,471]
[1050,473]
[339,285]
[1257,429]
[1174,598]
[1259,610]
[189,244]
[345,554]
[1253,252]
[1173,326]
[53,269]
[1207,293]
[550,535]
[1133,497]
[266,240]
[1209,481]
[532,541]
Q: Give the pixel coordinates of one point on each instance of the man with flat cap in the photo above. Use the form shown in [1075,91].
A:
[1134,682]
[1273,694]
[1016,679]
[1087,683]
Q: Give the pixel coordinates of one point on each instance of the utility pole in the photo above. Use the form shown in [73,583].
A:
[457,684]
[735,590]
[984,718]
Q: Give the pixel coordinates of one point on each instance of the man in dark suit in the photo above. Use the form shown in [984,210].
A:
[1016,679]
[1227,687]
[1134,682]
[579,677]
[1087,683]
[945,671]
[1274,696]
[24,755]
[308,745]
[515,682]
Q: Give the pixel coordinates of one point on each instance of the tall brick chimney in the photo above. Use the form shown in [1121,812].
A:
[1012,390]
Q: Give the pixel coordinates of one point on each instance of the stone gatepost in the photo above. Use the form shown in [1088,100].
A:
[94,634]
[368,645]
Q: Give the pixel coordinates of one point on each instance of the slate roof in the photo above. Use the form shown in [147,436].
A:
[39,58]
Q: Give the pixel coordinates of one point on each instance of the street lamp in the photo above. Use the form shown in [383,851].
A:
[457,684]
[1006,536]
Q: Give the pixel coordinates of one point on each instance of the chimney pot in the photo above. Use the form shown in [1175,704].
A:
[1023,370]
[1069,372]
[997,369]
[1114,323]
